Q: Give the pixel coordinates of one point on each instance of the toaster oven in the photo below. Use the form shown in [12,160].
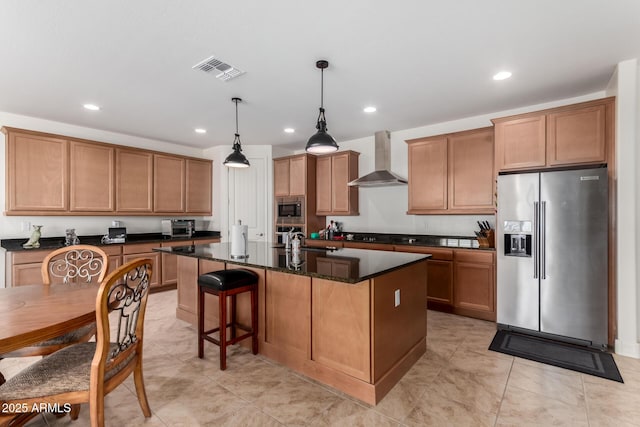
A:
[178,227]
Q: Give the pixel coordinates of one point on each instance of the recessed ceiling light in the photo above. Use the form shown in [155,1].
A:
[200,130]
[502,75]
[91,107]
[289,130]
[369,109]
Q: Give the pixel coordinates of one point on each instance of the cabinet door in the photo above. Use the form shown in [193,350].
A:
[37,173]
[134,181]
[576,136]
[440,282]
[298,176]
[428,175]
[168,183]
[156,275]
[287,315]
[323,185]
[26,274]
[199,186]
[521,143]
[471,173]
[115,261]
[333,306]
[91,182]
[281,177]
[344,169]
[474,284]
[170,262]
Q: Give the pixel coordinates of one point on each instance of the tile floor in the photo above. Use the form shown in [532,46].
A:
[457,382]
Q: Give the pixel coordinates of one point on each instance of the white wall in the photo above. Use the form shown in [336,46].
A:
[53,226]
[625,86]
[383,209]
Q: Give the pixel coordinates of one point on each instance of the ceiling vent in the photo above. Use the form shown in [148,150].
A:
[218,68]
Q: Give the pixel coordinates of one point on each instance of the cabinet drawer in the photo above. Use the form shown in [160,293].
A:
[112,249]
[26,257]
[139,248]
[482,257]
[370,246]
[321,243]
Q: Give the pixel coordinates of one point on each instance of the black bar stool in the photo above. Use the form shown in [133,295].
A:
[224,283]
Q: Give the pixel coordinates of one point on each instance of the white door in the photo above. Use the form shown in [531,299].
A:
[248,198]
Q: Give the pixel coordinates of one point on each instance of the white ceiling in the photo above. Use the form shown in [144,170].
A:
[419,62]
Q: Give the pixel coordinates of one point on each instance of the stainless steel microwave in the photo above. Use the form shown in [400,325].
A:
[290,208]
[178,227]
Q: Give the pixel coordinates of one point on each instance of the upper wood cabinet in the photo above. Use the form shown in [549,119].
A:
[333,173]
[570,135]
[452,173]
[134,181]
[199,186]
[428,175]
[168,183]
[56,175]
[91,173]
[290,176]
[37,173]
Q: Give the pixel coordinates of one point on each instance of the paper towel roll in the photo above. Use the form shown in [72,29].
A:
[239,240]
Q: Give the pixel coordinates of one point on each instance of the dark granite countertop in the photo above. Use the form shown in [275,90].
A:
[356,264]
[96,240]
[461,242]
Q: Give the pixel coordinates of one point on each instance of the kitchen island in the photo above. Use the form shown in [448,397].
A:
[353,319]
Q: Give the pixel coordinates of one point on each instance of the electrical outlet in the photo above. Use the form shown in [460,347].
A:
[397,297]
[26,226]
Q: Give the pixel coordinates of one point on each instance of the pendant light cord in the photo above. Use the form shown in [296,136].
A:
[236,101]
[322,88]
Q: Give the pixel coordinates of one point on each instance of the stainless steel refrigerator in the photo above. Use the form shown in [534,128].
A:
[552,254]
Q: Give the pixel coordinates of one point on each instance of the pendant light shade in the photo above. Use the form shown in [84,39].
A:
[321,142]
[236,159]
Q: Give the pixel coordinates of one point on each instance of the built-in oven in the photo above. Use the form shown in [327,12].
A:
[290,207]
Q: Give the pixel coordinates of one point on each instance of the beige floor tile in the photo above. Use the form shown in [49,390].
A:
[346,413]
[563,385]
[611,403]
[469,389]
[522,407]
[296,402]
[433,409]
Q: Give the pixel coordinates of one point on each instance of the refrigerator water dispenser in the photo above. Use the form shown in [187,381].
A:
[517,245]
[517,238]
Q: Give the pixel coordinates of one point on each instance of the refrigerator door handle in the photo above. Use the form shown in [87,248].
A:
[543,240]
[536,234]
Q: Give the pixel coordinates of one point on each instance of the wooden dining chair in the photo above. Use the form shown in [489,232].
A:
[86,372]
[71,264]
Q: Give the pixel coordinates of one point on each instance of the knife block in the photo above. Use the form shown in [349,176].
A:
[489,239]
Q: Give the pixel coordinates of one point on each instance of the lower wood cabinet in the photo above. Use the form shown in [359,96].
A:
[23,267]
[145,250]
[460,281]
[474,284]
[170,262]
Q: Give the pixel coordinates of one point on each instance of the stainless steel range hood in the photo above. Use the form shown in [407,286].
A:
[382,176]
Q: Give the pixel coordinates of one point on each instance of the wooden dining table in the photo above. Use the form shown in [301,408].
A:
[33,313]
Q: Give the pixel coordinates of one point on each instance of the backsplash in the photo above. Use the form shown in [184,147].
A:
[54,226]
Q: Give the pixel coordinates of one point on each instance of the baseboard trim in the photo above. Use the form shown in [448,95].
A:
[626,348]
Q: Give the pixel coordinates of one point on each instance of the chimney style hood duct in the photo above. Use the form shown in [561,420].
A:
[382,176]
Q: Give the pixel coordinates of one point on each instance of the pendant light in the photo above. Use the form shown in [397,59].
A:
[321,142]
[236,159]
